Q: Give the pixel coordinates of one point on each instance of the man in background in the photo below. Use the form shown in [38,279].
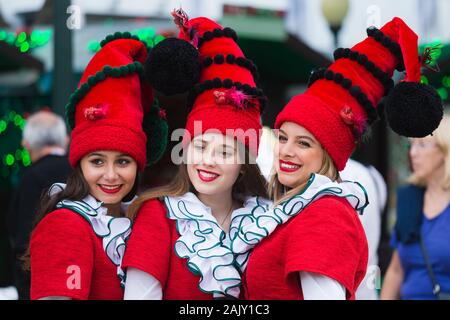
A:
[45,138]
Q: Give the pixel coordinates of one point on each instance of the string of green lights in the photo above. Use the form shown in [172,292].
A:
[25,42]
[12,157]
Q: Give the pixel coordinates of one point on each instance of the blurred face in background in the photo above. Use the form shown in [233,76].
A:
[427,158]
[297,155]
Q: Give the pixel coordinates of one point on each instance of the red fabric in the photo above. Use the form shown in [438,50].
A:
[151,249]
[122,102]
[323,102]
[64,239]
[326,238]
[401,33]
[205,109]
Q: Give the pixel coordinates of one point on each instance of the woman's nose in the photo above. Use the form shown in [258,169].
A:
[285,149]
[111,172]
[209,157]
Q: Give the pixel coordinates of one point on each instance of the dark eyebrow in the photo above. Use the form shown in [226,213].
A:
[94,154]
[306,137]
[124,155]
[299,137]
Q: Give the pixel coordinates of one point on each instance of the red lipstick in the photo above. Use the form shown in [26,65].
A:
[288,167]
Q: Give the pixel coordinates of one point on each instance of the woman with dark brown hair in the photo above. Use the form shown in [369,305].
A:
[180,244]
[77,246]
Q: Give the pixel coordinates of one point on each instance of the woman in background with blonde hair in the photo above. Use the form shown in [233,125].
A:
[423,223]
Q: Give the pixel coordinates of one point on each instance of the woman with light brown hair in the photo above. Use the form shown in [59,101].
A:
[180,244]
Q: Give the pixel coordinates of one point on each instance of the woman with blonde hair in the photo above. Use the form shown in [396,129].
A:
[312,245]
[420,263]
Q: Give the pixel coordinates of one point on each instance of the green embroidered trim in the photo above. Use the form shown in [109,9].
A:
[79,209]
[86,211]
[336,191]
[290,208]
[237,231]
[192,267]
[107,71]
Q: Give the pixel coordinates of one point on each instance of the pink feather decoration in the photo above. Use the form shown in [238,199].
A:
[95,112]
[234,97]
[355,121]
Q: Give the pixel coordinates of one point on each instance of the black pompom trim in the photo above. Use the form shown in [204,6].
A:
[217,33]
[173,66]
[231,59]
[362,59]
[119,35]
[413,109]
[199,88]
[392,46]
[355,91]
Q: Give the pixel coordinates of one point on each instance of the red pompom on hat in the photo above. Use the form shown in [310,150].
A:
[223,94]
[107,110]
[341,101]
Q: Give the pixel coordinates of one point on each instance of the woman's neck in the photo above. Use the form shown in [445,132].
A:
[436,197]
[221,206]
[435,181]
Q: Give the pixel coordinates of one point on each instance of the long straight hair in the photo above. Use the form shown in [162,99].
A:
[250,183]
[279,193]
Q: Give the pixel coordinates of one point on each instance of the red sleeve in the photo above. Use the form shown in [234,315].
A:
[62,256]
[149,246]
[328,238]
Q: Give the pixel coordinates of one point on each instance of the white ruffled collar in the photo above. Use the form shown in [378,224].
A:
[263,224]
[207,246]
[113,231]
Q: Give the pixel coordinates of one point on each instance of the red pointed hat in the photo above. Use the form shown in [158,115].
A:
[223,94]
[107,110]
[341,101]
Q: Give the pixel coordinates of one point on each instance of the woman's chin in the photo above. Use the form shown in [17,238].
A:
[288,182]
